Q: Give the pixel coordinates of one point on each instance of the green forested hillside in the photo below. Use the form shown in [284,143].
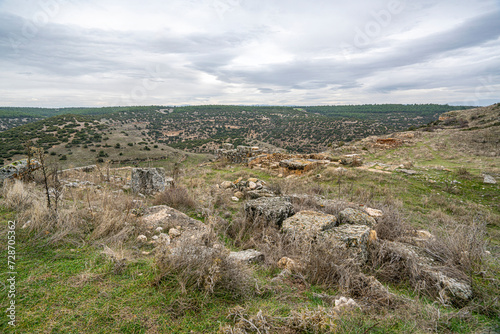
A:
[203,128]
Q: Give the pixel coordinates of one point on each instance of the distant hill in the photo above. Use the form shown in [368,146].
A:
[66,131]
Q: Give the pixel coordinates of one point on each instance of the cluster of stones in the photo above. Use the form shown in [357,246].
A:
[250,188]
[352,230]
[289,164]
[241,154]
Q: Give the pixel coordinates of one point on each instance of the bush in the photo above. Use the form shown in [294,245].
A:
[204,268]
[176,197]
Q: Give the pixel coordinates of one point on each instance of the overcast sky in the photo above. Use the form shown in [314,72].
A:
[56,53]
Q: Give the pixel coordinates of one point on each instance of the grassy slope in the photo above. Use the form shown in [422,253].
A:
[75,290]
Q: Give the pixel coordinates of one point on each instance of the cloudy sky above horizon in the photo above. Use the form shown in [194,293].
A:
[56,53]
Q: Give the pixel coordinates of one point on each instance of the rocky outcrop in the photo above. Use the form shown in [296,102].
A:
[356,217]
[149,180]
[274,210]
[239,155]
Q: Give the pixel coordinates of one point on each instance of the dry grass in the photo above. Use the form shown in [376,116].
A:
[463,247]
[99,214]
[206,267]
[176,197]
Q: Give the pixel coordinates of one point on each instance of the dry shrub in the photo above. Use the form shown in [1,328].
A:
[176,197]
[391,226]
[440,218]
[118,257]
[463,173]
[463,247]
[248,232]
[110,215]
[308,320]
[276,188]
[334,207]
[206,268]
[356,162]
[65,224]
[305,203]
[317,320]
[245,323]
[394,267]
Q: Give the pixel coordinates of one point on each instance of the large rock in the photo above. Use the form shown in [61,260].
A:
[274,210]
[355,238]
[356,217]
[170,219]
[488,179]
[18,169]
[298,165]
[308,224]
[247,256]
[149,180]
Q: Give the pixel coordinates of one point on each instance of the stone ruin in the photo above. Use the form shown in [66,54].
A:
[149,180]
[289,164]
[241,154]
[285,164]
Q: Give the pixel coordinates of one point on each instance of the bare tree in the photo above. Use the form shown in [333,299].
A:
[40,155]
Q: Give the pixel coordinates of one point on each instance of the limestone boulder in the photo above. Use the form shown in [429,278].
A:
[149,180]
[247,256]
[274,210]
[254,194]
[226,185]
[355,238]
[179,225]
[356,217]
[308,224]
[488,179]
